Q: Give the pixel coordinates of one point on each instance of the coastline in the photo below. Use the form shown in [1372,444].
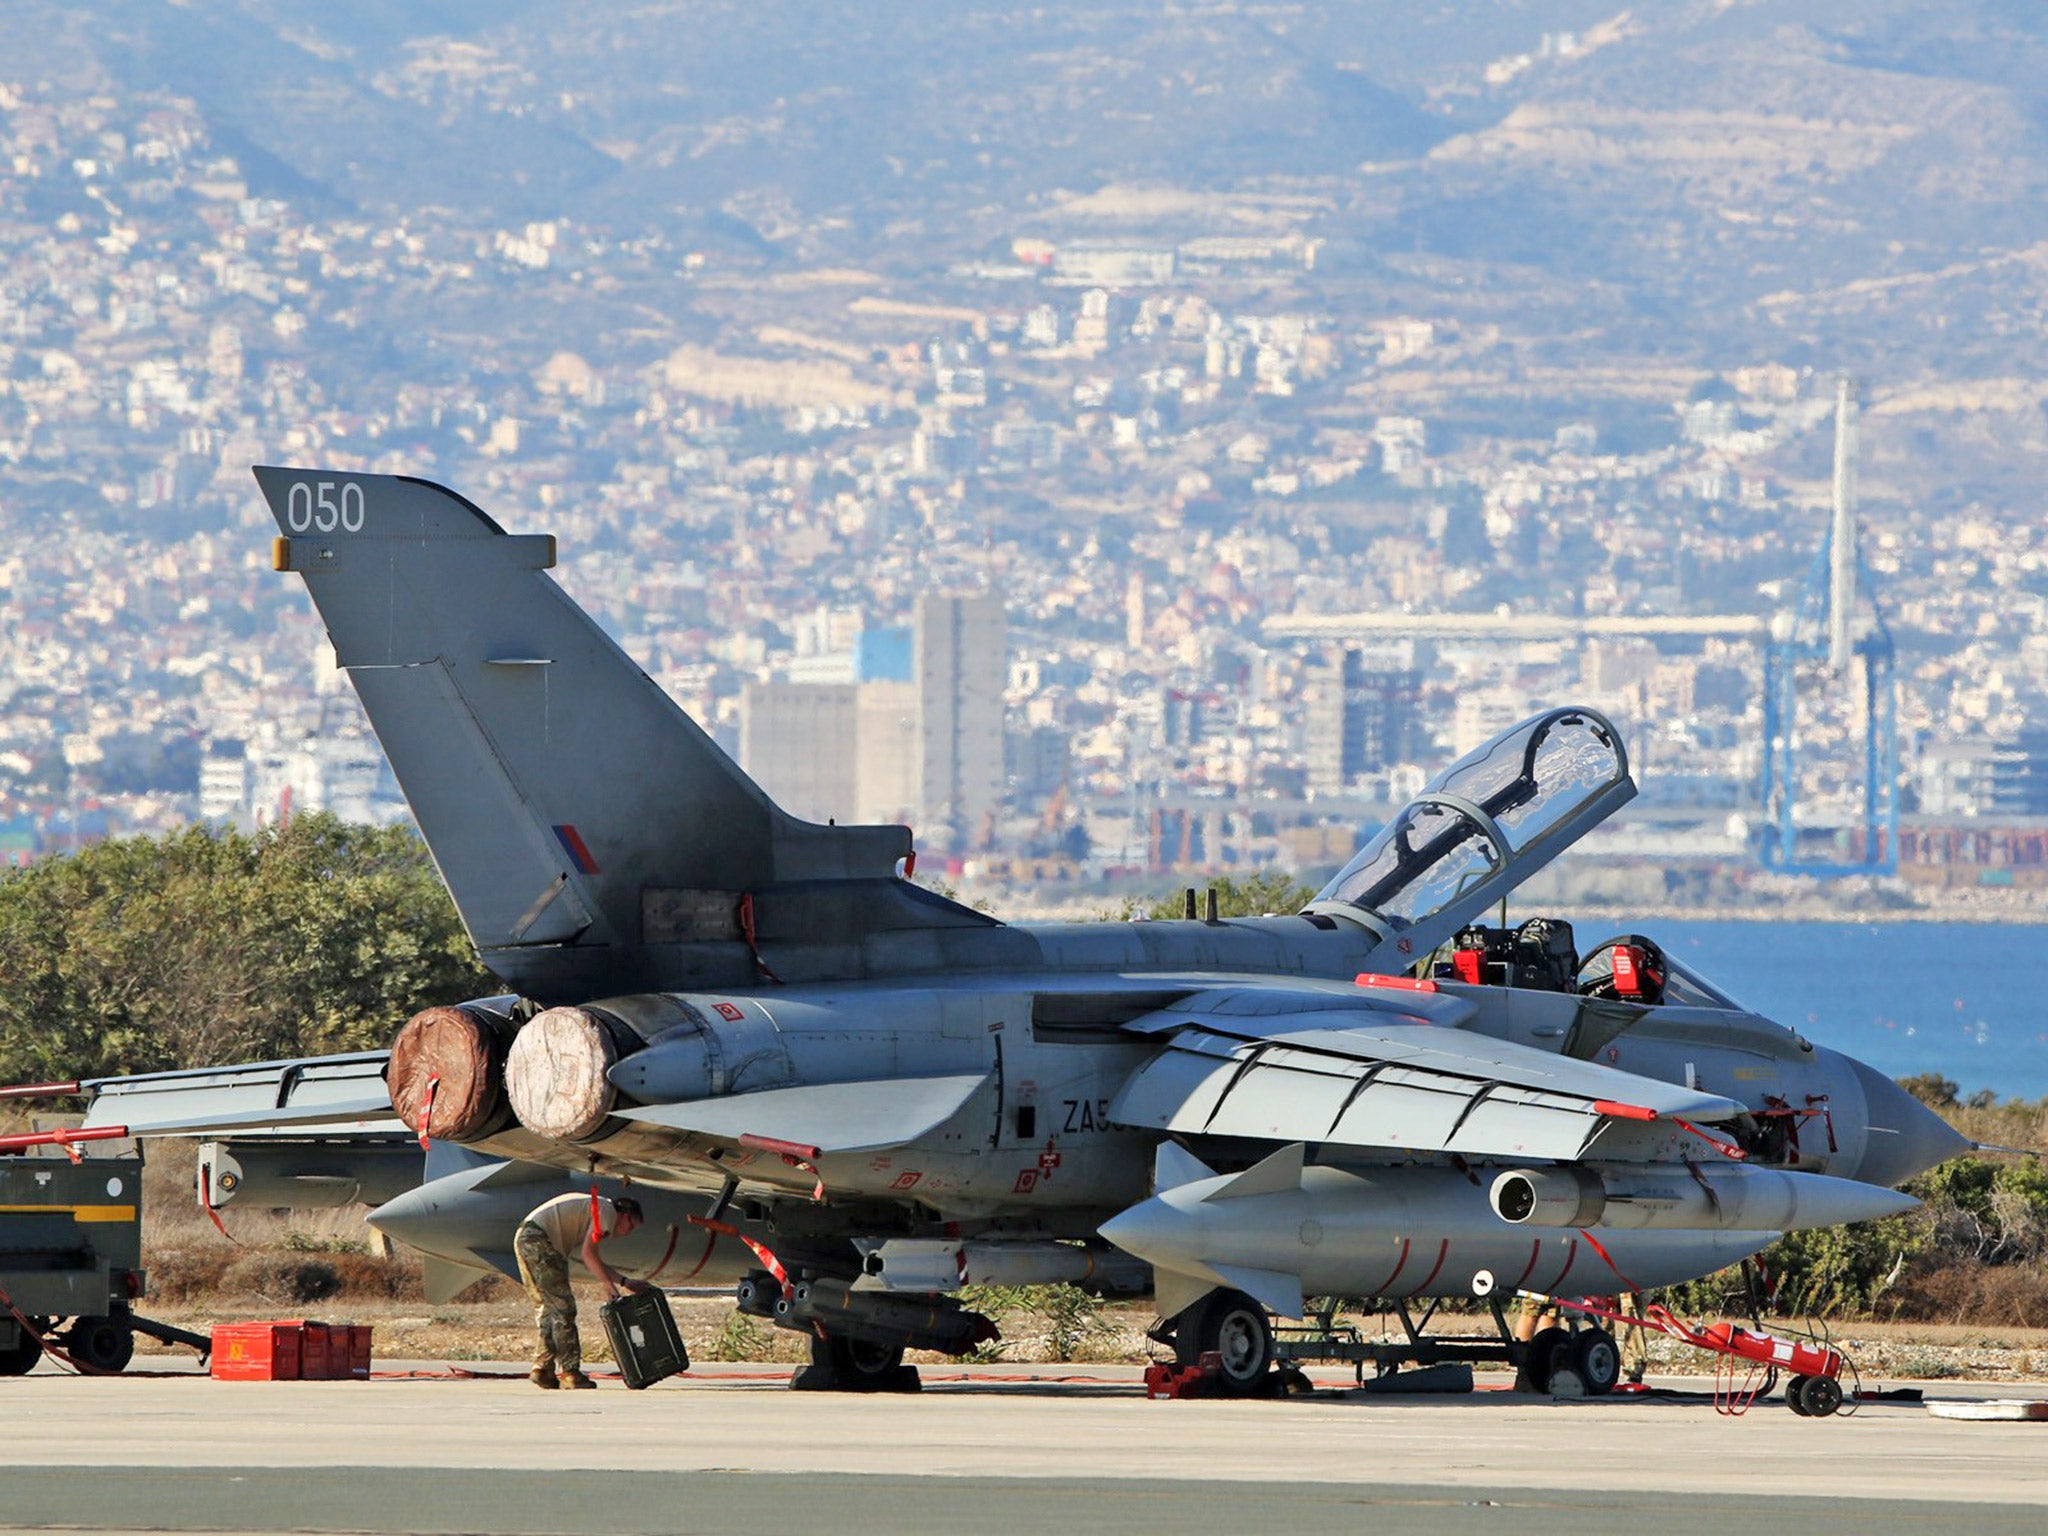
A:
[1013,905]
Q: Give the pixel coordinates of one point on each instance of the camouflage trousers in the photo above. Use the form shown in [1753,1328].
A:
[545,1273]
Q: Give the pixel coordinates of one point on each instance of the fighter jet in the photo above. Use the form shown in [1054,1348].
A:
[854,1095]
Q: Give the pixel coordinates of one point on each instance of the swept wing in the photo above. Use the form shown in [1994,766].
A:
[1374,1078]
[345,1092]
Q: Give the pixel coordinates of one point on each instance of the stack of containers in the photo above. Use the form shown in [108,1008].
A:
[297,1349]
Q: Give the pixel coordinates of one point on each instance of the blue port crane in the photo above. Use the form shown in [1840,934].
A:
[1833,639]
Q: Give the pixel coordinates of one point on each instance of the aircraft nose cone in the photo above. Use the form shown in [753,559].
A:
[1906,1137]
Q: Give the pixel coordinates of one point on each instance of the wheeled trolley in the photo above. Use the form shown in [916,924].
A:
[1234,1332]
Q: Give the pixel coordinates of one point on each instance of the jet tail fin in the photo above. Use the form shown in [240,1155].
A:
[575,812]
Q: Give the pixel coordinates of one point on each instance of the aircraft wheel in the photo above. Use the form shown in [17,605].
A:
[103,1343]
[1795,1394]
[857,1365]
[1549,1349]
[20,1357]
[1597,1359]
[1232,1326]
[1822,1395]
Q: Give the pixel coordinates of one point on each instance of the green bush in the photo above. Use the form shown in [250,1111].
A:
[1978,1218]
[143,954]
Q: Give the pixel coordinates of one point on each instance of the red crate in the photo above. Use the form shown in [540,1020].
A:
[256,1351]
[358,1352]
[316,1349]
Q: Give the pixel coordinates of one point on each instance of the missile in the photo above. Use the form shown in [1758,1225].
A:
[464,1222]
[1280,1230]
[306,1173]
[929,1264]
[1646,1197]
[933,1323]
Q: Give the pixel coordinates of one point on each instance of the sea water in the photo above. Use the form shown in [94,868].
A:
[1965,1000]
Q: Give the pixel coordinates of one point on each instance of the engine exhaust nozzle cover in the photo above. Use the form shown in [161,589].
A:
[447,1074]
[555,1073]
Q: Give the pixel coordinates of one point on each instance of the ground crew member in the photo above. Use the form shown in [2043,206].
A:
[566,1226]
[1635,1342]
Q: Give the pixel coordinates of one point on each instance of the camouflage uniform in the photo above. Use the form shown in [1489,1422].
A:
[544,1270]
[1635,1342]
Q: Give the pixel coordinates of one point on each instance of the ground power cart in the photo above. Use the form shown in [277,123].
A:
[70,1257]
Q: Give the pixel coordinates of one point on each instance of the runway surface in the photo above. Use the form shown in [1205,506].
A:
[996,1449]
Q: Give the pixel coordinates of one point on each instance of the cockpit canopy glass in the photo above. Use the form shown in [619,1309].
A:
[1527,781]
[1421,859]
[1681,985]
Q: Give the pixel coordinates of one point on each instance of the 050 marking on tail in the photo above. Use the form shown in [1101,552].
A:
[322,506]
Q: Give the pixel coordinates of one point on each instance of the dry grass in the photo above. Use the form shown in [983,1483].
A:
[1978,1295]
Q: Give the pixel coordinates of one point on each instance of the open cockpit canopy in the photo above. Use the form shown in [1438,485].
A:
[1483,825]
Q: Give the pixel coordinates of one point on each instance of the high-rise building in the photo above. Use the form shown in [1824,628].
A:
[223,780]
[1359,721]
[797,740]
[918,738]
[887,758]
[962,660]
[2006,776]
[287,776]
[1040,761]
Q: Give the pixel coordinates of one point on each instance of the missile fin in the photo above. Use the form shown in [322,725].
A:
[1173,1165]
[1174,1292]
[1278,1174]
[448,1157]
[444,1279]
[1276,1292]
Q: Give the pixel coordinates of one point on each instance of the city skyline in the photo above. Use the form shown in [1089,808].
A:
[1203,447]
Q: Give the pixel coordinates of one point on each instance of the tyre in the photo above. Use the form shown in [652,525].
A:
[102,1343]
[857,1365]
[20,1357]
[1233,1327]
[1795,1394]
[1597,1358]
[1542,1355]
[1822,1395]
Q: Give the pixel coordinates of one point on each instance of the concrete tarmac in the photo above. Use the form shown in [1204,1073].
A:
[981,1449]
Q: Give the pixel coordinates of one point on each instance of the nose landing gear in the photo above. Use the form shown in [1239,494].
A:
[1233,1328]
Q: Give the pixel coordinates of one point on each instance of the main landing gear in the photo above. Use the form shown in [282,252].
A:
[841,1364]
[858,1337]
[1571,1362]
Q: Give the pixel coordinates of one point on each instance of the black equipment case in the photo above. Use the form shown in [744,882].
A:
[644,1338]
